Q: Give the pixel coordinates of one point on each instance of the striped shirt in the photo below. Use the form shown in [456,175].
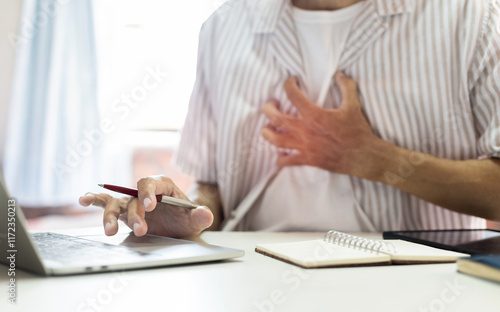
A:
[428,79]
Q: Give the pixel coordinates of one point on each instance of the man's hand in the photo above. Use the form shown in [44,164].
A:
[331,139]
[340,140]
[145,215]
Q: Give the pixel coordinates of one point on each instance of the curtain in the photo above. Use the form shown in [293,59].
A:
[54,136]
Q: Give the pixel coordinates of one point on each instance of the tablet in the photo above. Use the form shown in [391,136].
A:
[474,242]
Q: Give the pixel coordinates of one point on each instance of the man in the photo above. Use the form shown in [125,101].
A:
[280,138]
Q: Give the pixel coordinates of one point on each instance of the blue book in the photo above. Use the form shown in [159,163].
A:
[487,266]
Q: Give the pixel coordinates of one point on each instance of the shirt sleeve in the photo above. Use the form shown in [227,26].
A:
[485,93]
[196,152]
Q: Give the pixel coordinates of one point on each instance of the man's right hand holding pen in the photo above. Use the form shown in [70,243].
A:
[143,214]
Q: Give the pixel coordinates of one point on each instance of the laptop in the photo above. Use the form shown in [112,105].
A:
[51,253]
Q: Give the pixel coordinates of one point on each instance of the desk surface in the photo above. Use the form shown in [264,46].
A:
[257,283]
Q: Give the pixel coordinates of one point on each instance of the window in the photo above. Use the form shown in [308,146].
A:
[141,38]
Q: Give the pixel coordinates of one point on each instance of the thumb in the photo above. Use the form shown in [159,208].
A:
[201,217]
[348,90]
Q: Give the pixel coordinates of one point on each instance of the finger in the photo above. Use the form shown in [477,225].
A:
[110,216]
[305,107]
[294,159]
[86,200]
[135,218]
[278,119]
[348,90]
[277,139]
[176,192]
[149,187]
[100,200]
[201,218]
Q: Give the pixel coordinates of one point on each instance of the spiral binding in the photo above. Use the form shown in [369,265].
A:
[344,239]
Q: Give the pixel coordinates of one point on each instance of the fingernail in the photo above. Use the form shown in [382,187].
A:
[146,202]
[107,227]
[204,207]
[135,227]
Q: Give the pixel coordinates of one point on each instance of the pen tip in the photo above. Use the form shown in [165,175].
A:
[101,185]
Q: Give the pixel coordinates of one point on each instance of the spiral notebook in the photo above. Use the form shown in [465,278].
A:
[339,249]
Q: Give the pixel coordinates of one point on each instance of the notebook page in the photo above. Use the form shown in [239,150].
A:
[317,253]
[403,251]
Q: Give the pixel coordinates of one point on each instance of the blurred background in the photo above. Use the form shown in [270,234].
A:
[92,92]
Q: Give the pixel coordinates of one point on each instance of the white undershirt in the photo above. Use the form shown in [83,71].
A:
[322,36]
[303,197]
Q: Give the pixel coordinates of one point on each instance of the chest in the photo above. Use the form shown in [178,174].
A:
[410,83]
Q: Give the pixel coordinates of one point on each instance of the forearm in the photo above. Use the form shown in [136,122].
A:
[208,195]
[469,186]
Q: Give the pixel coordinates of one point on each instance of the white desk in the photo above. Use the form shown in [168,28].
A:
[257,283]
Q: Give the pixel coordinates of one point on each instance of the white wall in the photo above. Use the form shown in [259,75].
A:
[10,11]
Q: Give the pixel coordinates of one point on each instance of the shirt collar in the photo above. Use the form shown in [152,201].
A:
[266,13]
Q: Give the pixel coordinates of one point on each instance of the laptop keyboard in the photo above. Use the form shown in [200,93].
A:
[65,249]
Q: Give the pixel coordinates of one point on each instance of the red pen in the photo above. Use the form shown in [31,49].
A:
[160,198]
